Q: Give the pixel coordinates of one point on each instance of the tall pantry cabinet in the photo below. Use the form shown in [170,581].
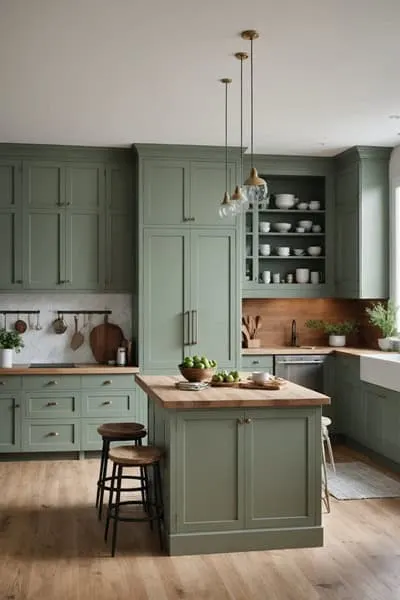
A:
[188,257]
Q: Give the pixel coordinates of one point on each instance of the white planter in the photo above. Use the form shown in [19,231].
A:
[385,344]
[6,358]
[337,340]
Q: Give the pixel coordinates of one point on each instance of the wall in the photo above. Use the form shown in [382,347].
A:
[47,346]
[277,315]
[394,176]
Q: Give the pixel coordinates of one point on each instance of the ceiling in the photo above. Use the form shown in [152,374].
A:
[115,72]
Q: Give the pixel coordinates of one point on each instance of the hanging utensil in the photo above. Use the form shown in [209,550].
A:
[59,325]
[77,338]
[38,325]
[20,325]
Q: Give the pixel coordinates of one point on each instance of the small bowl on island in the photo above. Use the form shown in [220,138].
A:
[195,369]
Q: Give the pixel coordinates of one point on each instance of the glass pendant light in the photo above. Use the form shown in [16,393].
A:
[255,187]
[239,197]
[227,208]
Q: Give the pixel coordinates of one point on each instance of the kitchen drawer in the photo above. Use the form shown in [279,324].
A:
[255,362]
[107,405]
[10,382]
[51,405]
[48,435]
[51,382]
[91,440]
[108,382]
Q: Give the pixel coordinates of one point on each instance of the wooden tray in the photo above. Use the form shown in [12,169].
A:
[271,385]
[225,383]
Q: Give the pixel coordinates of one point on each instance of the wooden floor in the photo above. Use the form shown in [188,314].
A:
[51,547]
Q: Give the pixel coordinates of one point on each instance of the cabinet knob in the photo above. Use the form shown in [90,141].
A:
[247,421]
[107,382]
[17,405]
[2,383]
[19,281]
[185,219]
[52,404]
[240,421]
[53,434]
[107,402]
[53,382]
[255,362]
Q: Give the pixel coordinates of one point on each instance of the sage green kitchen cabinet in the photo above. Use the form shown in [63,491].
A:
[226,475]
[375,399]
[362,223]
[10,225]
[10,422]
[121,229]
[191,305]
[184,184]
[391,426]
[349,405]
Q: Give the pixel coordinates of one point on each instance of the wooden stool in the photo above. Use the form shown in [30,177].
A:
[325,422]
[117,432]
[135,456]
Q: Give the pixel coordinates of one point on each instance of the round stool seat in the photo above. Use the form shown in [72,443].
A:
[326,421]
[134,456]
[121,431]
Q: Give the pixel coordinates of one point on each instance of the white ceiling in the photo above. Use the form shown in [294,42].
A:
[114,72]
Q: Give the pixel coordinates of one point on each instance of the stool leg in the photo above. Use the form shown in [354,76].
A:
[142,480]
[110,499]
[103,476]
[325,479]
[331,459]
[159,502]
[100,478]
[116,514]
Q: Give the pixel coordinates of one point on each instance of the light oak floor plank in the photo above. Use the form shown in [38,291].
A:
[51,546]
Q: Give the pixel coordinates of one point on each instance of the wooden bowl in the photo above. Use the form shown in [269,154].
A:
[193,374]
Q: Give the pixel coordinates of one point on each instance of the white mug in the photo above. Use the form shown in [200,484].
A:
[314,276]
[266,276]
[276,277]
[265,249]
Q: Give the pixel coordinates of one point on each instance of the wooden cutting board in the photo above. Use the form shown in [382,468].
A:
[104,341]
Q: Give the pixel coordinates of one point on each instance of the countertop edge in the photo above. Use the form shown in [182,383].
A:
[286,350]
[79,370]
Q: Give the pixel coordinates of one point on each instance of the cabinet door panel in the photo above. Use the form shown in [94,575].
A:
[119,252]
[166,290]
[84,186]
[84,264]
[165,192]
[10,250]
[44,250]
[10,426]
[374,399]
[290,500]
[210,463]
[207,182]
[214,295]
[9,185]
[119,188]
[44,184]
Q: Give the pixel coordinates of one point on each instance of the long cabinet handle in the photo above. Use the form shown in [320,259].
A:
[300,362]
[186,328]
[194,327]
[52,404]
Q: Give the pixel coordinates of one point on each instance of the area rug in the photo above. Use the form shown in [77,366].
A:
[357,480]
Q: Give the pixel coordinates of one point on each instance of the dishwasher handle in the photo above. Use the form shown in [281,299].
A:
[300,362]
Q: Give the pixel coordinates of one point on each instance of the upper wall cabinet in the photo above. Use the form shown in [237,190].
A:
[183,184]
[65,219]
[362,223]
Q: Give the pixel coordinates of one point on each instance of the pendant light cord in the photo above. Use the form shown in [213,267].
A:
[251,101]
[241,119]
[226,136]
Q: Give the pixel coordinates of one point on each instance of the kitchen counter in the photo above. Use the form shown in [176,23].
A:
[78,369]
[161,389]
[281,350]
[241,469]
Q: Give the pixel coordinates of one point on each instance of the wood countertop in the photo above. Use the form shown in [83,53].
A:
[282,350]
[161,389]
[78,369]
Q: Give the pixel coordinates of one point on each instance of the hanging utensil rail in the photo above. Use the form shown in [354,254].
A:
[21,311]
[84,312]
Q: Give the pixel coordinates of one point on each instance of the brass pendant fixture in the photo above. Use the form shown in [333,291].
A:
[227,208]
[239,196]
[255,188]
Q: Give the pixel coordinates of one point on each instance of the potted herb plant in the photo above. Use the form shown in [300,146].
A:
[337,331]
[9,341]
[383,317]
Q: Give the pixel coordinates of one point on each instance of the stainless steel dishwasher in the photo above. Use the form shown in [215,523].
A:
[304,369]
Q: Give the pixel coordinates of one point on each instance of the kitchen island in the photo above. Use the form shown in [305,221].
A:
[242,468]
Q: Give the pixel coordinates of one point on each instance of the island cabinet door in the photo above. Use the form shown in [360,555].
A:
[210,474]
[283,467]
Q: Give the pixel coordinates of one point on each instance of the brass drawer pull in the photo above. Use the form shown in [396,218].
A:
[240,421]
[52,382]
[255,362]
[52,404]
[107,382]
[53,434]
[2,383]
[247,421]
[107,402]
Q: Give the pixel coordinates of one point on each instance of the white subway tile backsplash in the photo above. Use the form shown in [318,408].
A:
[47,346]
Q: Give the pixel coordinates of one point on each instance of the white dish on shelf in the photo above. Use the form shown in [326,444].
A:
[300,230]
[264,226]
[314,250]
[302,275]
[283,251]
[314,205]
[306,225]
[298,251]
[316,228]
[302,205]
[265,249]
[285,201]
[282,227]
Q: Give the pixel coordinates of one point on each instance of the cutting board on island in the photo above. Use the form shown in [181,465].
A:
[104,341]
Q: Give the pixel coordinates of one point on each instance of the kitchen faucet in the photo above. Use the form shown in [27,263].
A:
[294,334]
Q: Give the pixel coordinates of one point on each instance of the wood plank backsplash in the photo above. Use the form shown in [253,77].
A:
[277,315]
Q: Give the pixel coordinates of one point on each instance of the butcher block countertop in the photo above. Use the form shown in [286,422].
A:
[161,389]
[282,350]
[78,369]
